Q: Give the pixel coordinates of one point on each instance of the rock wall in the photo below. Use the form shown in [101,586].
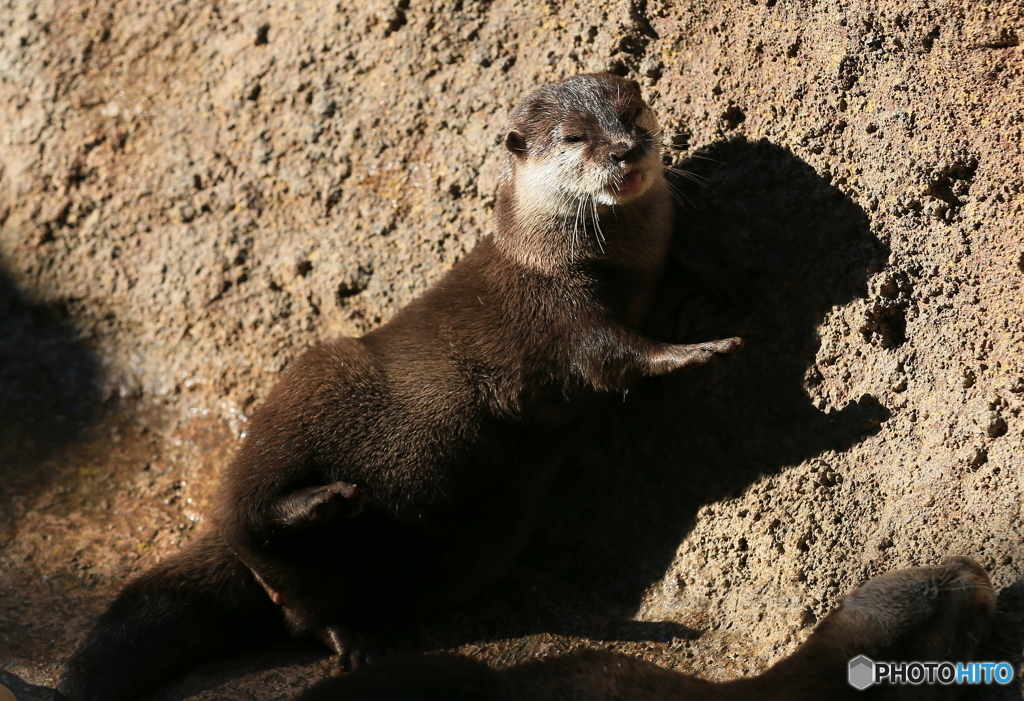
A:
[191,193]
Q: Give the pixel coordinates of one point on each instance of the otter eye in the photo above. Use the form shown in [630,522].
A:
[630,116]
[572,138]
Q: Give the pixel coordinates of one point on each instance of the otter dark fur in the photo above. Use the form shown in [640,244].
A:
[924,614]
[397,474]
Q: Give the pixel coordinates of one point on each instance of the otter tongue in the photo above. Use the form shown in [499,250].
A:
[630,182]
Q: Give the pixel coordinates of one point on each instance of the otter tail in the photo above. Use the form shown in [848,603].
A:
[199,604]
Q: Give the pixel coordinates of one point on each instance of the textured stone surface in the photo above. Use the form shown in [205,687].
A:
[190,193]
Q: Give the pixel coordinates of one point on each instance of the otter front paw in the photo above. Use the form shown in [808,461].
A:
[671,357]
[725,347]
[349,646]
[310,505]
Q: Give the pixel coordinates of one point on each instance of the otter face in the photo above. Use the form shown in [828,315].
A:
[589,141]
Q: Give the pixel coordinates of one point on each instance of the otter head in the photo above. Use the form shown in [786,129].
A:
[924,613]
[589,141]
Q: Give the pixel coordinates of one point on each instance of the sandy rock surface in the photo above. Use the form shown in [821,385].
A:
[193,192]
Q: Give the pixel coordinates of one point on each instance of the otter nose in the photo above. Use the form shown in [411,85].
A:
[629,153]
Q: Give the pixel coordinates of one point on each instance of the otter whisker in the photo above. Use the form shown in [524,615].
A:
[581,204]
[679,196]
[690,175]
[583,216]
[572,236]
[575,226]
[599,235]
[690,154]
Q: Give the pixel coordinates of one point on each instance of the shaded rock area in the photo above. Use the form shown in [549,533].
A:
[193,192]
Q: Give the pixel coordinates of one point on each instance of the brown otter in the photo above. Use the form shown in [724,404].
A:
[397,474]
[924,614]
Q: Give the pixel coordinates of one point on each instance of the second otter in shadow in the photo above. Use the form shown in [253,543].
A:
[938,614]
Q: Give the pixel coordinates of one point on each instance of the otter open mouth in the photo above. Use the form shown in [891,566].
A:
[631,184]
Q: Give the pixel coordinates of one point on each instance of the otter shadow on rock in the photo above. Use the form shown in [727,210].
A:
[49,385]
[49,399]
[769,247]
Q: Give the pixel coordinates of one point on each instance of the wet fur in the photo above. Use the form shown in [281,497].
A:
[399,473]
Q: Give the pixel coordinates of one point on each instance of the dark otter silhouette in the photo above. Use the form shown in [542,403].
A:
[924,614]
[397,474]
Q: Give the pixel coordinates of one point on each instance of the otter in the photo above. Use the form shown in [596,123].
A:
[922,614]
[395,475]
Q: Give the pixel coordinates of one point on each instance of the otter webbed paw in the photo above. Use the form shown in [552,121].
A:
[724,347]
[676,357]
[310,505]
[349,646]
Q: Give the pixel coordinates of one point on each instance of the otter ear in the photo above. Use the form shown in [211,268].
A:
[515,143]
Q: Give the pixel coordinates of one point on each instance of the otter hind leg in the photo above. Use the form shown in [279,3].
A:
[321,504]
[350,647]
